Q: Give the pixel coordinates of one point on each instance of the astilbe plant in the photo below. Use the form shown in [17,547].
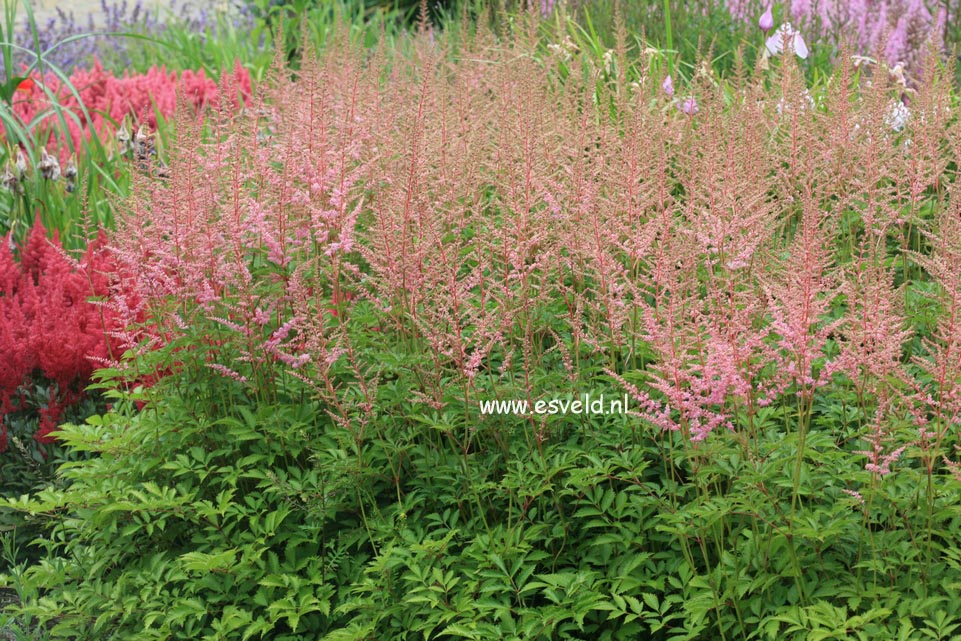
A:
[103,101]
[743,259]
[53,332]
[246,239]
[493,223]
[940,402]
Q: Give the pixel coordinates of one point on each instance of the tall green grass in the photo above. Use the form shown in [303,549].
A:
[73,215]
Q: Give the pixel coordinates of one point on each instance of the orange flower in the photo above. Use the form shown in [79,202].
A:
[26,85]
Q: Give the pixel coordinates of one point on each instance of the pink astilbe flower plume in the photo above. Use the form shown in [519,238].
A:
[942,360]
[881,456]
[875,328]
[800,290]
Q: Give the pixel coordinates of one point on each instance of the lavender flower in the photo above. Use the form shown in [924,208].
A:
[902,30]
[688,105]
[53,35]
[548,6]
[668,87]
[56,33]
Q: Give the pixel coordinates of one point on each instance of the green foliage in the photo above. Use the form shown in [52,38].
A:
[76,210]
[406,10]
[697,29]
[75,207]
[213,515]
[195,531]
[282,26]
[236,510]
[29,466]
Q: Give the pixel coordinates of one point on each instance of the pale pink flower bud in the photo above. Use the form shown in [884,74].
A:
[855,494]
[49,166]
[766,22]
[262,316]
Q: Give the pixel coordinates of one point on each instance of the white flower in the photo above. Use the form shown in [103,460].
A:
[897,116]
[609,61]
[897,74]
[49,166]
[787,38]
[806,103]
[558,50]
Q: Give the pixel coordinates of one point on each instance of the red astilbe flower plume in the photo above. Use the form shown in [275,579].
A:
[18,361]
[9,270]
[109,99]
[47,324]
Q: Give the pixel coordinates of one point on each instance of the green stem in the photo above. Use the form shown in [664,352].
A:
[670,37]
[804,416]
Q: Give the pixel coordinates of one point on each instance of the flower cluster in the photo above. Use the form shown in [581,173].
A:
[697,251]
[547,7]
[108,99]
[899,30]
[51,330]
